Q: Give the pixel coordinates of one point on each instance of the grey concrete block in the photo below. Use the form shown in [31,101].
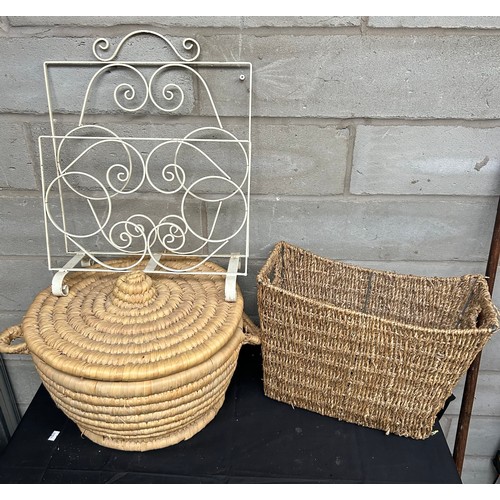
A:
[369,76]
[24,378]
[426,160]
[16,165]
[483,438]
[299,159]
[22,226]
[188,21]
[300,21]
[434,22]
[24,88]
[223,81]
[340,76]
[21,282]
[23,83]
[106,21]
[286,159]
[4,25]
[364,229]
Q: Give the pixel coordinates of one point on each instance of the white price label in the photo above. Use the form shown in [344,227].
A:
[54,435]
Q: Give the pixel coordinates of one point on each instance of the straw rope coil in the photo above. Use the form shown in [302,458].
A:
[375,348]
[138,362]
[8,344]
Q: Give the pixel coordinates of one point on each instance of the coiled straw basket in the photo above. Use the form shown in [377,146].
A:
[375,348]
[136,362]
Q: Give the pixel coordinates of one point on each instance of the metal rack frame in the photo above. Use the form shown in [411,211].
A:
[139,235]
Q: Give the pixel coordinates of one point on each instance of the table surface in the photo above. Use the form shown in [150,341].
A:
[253,439]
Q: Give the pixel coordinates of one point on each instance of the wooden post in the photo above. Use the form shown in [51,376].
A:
[473,372]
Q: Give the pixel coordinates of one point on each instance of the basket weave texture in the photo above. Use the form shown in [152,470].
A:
[375,348]
[137,362]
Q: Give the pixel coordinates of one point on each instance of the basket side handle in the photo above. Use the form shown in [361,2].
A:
[251,331]
[489,316]
[7,338]
[273,265]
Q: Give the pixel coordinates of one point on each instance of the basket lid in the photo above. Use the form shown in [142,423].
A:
[134,327]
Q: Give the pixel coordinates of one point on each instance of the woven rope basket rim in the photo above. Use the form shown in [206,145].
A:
[263,280]
[262,276]
[360,314]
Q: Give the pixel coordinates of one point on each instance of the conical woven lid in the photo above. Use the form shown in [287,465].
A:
[132,326]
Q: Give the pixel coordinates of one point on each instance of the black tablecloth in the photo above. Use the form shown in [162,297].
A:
[253,439]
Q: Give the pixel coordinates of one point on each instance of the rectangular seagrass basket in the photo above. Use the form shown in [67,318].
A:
[375,348]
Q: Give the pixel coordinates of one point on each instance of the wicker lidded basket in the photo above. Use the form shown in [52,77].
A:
[375,348]
[136,362]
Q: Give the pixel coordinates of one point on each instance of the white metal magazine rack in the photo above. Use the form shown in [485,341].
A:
[139,163]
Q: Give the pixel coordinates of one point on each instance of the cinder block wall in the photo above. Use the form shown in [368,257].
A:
[375,140]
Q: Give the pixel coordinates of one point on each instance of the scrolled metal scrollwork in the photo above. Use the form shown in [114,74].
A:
[138,233]
[122,172]
[188,44]
[125,89]
[130,232]
[171,233]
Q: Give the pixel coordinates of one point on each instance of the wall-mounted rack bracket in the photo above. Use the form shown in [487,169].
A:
[59,289]
[232,270]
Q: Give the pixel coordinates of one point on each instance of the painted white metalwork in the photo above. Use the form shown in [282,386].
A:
[188,43]
[96,172]
[58,287]
[232,271]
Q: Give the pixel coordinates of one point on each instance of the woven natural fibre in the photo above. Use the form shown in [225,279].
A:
[138,362]
[378,349]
